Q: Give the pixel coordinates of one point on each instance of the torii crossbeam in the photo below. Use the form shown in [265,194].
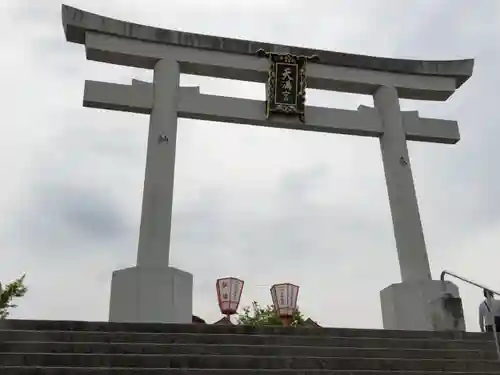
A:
[138,98]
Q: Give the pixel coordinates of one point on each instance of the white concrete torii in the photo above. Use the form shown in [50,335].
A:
[154,292]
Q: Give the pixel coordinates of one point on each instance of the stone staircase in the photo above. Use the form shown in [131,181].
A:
[93,348]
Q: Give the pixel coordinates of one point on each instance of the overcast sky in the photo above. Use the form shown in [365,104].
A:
[265,205]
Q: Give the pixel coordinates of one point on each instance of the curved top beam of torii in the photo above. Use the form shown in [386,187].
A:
[437,79]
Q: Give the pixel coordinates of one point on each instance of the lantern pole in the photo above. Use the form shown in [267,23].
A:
[286,320]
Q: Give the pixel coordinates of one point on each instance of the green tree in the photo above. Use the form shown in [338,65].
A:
[256,315]
[15,289]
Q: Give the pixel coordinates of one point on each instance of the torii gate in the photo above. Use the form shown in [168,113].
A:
[154,292]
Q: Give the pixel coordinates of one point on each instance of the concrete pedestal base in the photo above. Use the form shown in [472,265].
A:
[151,295]
[447,313]
[413,306]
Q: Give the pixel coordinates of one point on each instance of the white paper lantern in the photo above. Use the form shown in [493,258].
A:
[229,294]
[285,298]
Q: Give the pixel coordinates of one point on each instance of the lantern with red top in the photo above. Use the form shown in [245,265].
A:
[285,301]
[229,293]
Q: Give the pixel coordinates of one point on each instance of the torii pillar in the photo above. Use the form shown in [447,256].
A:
[404,305]
[152,291]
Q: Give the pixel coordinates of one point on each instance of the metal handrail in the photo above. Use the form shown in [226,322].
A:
[495,335]
[445,272]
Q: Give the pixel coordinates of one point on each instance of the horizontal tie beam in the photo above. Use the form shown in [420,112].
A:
[138,98]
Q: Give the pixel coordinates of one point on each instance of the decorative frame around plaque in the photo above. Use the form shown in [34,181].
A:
[286,84]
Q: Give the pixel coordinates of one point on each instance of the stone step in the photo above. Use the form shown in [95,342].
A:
[244,362]
[245,339]
[47,325]
[230,349]
[138,371]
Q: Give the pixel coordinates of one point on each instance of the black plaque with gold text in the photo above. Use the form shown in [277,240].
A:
[286,85]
